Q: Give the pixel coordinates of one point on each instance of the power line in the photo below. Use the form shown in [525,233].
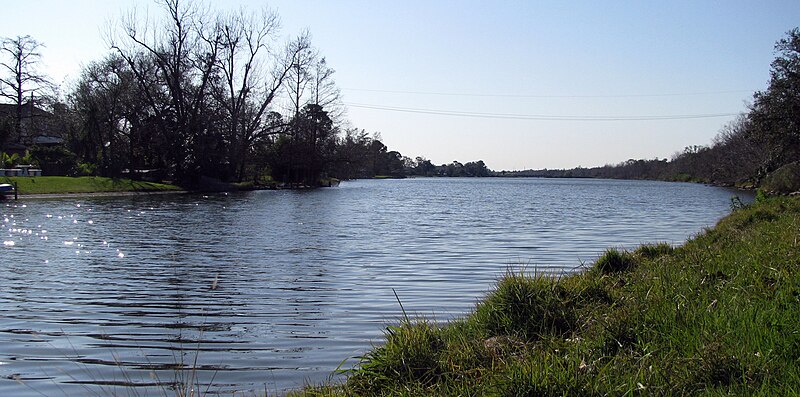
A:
[464,94]
[540,117]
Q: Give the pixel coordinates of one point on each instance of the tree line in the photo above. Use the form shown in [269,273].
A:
[196,93]
[744,152]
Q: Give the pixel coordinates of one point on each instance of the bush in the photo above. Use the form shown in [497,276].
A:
[85,169]
[783,180]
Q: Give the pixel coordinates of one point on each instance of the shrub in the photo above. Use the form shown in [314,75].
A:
[8,160]
[85,169]
[783,180]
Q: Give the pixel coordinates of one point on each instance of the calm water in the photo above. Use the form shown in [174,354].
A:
[109,295]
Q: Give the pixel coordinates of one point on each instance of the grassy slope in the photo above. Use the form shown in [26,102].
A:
[86,184]
[717,316]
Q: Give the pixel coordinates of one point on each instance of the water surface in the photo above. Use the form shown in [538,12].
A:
[271,289]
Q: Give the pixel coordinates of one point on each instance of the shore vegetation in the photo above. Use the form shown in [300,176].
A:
[716,316]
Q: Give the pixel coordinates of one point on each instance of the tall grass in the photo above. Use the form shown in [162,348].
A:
[716,316]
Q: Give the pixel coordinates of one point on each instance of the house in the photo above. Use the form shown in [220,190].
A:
[37,127]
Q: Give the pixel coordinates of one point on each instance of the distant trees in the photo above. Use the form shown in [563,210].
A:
[476,169]
[744,151]
[357,155]
[424,167]
[190,93]
[197,93]
[350,157]
[385,162]
[305,152]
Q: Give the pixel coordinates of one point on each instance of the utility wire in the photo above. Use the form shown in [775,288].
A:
[539,116]
[676,94]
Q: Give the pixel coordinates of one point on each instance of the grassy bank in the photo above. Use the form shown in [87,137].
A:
[85,184]
[716,316]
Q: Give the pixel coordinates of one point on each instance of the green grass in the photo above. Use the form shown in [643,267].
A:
[716,316]
[84,184]
[614,261]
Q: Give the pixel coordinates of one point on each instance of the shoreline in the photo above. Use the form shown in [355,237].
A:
[97,194]
[721,307]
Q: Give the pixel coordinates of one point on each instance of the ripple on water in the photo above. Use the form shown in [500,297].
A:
[275,288]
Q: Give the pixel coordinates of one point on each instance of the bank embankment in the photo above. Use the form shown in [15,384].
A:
[716,316]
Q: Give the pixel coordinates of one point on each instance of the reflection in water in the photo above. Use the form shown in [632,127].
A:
[272,289]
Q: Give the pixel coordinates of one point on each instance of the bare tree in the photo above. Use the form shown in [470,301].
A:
[21,83]
[185,51]
[300,71]
[252,76]
[210,82]
[324,91]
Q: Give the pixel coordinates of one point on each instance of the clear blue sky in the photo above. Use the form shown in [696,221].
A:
[484,59]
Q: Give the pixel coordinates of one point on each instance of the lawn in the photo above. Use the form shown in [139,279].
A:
[84,184]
